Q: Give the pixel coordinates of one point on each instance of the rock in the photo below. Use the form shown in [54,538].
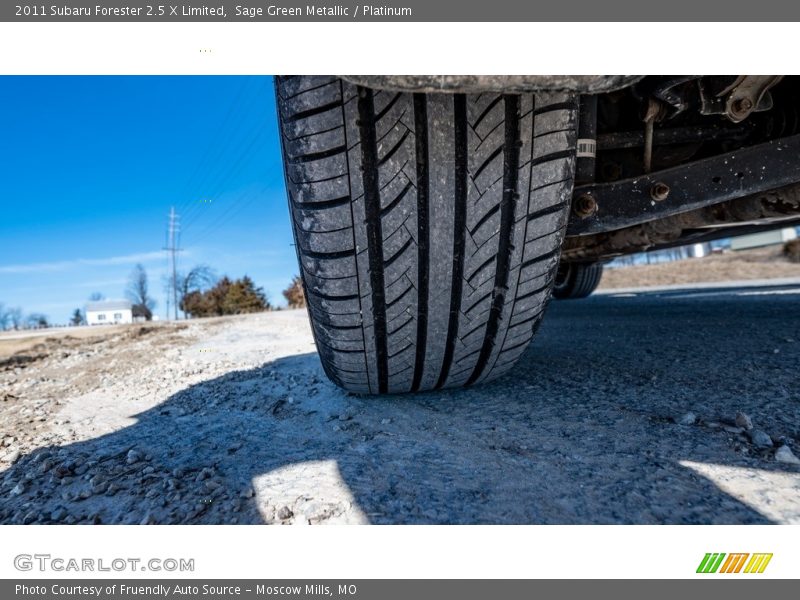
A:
[12,457]
[345,416]
[385,421]
[731,429]
[62,470]
[284,512]
[133,456]
[688,419]
[58,514]
[248,493]
[148,470]
[30,517]
[744,421]
[100,488]
[204,474]
[760,439]
[18,490]
[785,455]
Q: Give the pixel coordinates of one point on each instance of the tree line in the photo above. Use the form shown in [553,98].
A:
[200,294]
[15,318]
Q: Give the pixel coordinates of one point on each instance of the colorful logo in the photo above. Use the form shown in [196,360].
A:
[734,563]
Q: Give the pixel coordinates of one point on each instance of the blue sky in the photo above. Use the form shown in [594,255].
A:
[91,166]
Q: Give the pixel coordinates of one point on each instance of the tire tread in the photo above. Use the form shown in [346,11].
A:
[428,226]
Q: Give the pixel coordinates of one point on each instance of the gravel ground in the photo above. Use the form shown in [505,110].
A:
[662,407]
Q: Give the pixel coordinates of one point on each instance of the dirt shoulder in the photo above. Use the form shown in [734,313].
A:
[38,341]
[756,264]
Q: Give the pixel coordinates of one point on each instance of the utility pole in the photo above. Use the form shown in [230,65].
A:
[172,249]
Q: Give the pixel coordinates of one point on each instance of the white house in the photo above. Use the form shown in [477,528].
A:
[109,312]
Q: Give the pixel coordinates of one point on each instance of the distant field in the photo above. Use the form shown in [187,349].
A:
[12,342]
[761,263]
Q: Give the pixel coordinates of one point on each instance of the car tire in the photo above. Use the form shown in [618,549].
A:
[577,280]
[428,227]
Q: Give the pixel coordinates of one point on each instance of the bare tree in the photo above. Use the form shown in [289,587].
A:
[199,279]
[36,321]
[96,297]
[4,318]
[138,293]
[15,317]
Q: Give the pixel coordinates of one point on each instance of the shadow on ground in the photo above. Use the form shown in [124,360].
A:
[582,432]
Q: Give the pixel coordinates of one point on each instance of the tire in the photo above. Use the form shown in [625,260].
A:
[428,226]
[577,280]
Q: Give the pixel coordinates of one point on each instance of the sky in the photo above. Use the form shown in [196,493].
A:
[91,166]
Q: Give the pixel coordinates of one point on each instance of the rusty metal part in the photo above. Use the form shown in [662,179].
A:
[584,206]
[462,84]
[768,209]
[739,109]
[748,92]
[736,174]
[647,158]
[655,112]
[659,191]
[745,95]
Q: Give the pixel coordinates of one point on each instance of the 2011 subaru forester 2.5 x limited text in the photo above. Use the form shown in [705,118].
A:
[435,216]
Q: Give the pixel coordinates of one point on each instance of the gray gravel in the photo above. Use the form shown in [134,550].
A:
[643,408]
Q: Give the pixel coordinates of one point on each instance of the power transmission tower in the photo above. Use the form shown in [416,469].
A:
[172,249]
